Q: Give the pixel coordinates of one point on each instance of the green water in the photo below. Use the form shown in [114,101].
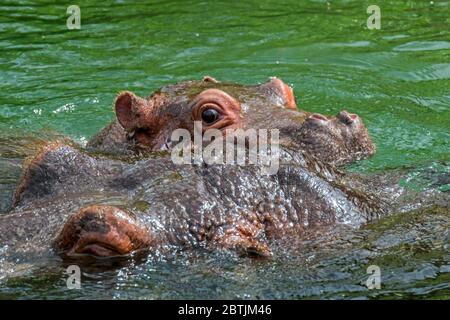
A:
[397,79]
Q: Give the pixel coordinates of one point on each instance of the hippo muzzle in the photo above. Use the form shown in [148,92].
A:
[102,231]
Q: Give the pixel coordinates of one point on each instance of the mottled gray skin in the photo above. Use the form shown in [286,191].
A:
[147,123]
[78,204]
[104,207]
[75,204]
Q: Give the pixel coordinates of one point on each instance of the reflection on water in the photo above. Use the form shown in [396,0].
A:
[396,78]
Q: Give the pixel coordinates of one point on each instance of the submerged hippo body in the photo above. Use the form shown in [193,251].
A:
[147,123]
[120,202]
[111,207]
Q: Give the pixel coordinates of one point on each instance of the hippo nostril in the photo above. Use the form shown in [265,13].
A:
[318,116]
[347,118]
[98,249]
[102,231]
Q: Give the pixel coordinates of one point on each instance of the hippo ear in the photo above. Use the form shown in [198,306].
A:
[210,79]
[277,87]
[129,108]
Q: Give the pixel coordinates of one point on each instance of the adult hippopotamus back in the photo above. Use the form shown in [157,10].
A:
[77,204]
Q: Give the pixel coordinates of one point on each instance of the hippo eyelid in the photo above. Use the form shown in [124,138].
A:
[217,97]
[210,105]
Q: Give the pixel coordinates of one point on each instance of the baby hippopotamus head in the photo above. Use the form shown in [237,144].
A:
[148,123]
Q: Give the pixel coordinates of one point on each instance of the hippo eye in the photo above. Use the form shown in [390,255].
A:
[210,115]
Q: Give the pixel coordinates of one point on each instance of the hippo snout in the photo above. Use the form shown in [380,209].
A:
[102,231]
